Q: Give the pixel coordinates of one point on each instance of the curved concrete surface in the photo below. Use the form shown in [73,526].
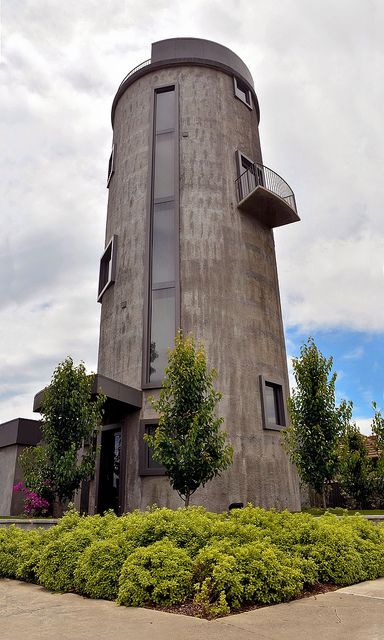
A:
[28,611]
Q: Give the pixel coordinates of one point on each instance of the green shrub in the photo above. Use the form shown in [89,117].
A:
[164,557]
[347,550]
[29,550]
[59,558]
[158,574]
[98,570]
[189,529]
[257,572]
[10,538]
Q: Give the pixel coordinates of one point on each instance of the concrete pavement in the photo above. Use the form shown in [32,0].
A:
[29,612]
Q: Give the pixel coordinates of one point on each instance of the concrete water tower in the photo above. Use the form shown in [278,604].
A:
[189,243]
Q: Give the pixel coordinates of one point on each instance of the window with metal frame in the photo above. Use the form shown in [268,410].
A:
[111,165]
[107,273]
[147,465]
[242,92]
[274,413]
[250,175]
[163,237]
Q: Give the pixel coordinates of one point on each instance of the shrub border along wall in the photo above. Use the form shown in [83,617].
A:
[213,563]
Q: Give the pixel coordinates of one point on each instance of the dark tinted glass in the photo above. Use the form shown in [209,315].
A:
[108,497]
[163,331]
[163,243]
[116,460]
[105,268]
[164,165]
[248,179]
[151,463]
[165,110]
[270,405]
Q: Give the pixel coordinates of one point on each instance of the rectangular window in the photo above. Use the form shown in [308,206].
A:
[163,237]
[147,465]
[164,186]
[163,243]
[165,110]
[111,165]
[162,330]
[272,395]
[242,92]
[107,273]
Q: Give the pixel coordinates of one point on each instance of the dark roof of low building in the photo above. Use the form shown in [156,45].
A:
[21,431]
[371,444]
[118,394]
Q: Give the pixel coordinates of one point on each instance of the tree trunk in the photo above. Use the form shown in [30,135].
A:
[323,493]
[57,510]
[186,501]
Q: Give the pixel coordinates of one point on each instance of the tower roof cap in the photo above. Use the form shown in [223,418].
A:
[193,52]
[190,48]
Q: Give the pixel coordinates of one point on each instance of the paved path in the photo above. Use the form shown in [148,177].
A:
[28,612]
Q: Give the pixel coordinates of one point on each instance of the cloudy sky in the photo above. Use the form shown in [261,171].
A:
[318,72]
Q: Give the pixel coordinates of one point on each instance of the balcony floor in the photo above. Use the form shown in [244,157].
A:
[268,207]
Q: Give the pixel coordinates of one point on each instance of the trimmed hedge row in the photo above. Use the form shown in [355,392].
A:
[222,561]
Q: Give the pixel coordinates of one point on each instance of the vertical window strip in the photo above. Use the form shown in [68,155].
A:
[162,299]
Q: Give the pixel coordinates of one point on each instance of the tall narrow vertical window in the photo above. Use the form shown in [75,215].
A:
[163,236]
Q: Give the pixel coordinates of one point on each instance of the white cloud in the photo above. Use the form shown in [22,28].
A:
[364,425]
[354,354]
[316,68]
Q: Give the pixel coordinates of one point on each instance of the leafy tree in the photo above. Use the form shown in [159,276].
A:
[377,427]
[34,463]
[355,473]
[188,441]
[70,417]
[316,422]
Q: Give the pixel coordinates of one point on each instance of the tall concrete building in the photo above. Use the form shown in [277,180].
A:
[189,243]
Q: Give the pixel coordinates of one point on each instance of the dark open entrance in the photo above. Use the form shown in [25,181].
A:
[109,494]
[107,490]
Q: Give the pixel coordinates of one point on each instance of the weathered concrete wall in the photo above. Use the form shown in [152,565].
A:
[10,473]
[121,329]
[7,477]
[228,282]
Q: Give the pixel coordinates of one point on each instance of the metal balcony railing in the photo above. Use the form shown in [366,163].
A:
[257,175]
[139,66]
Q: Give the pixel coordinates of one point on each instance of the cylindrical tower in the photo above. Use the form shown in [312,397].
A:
[189,243]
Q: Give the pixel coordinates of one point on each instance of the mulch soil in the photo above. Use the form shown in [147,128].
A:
[196,610]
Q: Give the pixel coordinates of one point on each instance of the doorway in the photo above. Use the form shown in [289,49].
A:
[109,491]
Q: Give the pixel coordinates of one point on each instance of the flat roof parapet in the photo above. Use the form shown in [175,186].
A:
[116,392]
[193,52]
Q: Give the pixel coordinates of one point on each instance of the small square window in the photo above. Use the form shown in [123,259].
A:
[147,465]
[107,272]
[274,416]
[242,92]
[111,165]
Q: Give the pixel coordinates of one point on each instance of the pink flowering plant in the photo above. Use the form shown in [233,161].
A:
[34,504]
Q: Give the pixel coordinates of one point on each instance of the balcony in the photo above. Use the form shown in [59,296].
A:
[264,194]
